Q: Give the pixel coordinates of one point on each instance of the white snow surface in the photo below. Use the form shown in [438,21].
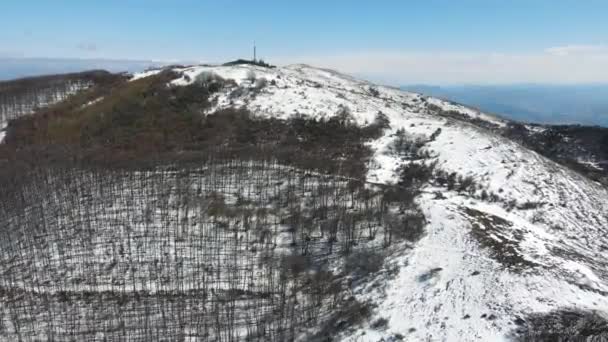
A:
[553,218]
[3,127]
[145,74]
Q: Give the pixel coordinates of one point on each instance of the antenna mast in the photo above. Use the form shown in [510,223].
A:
[254,52]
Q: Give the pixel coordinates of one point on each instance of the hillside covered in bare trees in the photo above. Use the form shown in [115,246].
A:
[134,218]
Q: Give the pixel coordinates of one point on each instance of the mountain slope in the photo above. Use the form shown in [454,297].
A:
[551,219]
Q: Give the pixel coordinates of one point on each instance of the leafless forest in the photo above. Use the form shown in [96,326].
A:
[227,250]
[25,96]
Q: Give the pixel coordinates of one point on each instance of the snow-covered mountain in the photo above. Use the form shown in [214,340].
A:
[540,247]
[522,244]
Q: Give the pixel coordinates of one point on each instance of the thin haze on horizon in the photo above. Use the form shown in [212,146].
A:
[396,42]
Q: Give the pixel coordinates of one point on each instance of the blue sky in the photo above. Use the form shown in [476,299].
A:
[433,41]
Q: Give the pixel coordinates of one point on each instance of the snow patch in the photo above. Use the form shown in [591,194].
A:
[145,74]
[90,103]
[3,127]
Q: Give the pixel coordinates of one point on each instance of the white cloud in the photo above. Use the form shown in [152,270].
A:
[571,64]
[577,49]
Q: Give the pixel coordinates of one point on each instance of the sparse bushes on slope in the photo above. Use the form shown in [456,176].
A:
[413,175]
[460,116]
[466,184]
[374,92]
[408,146]
[567,145]
[351,313]
[376,129]
[361,263]
[408,222]
[457,182]
[435,134]
[562,325]
[410,226]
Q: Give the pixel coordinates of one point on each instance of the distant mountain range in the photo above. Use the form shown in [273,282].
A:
[548,104]
[12,68]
